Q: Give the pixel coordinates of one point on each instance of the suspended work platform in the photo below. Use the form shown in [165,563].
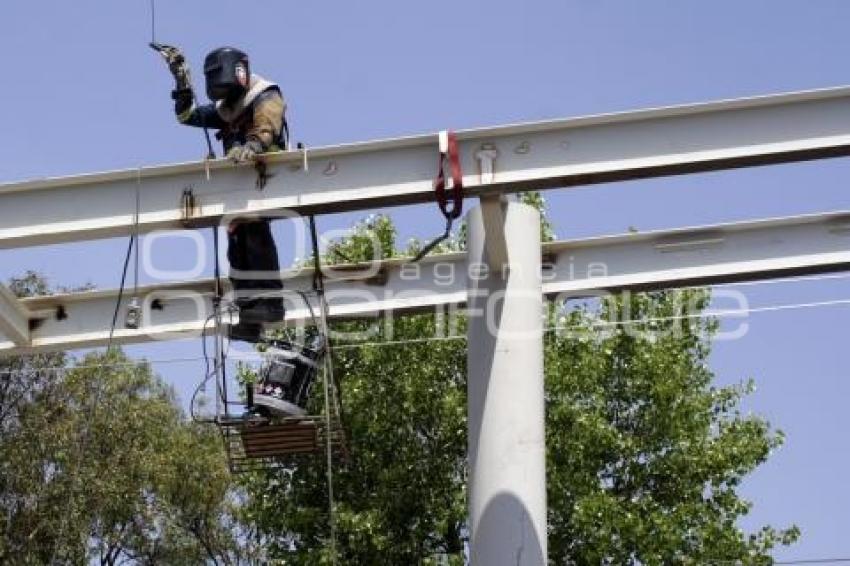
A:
[256,444]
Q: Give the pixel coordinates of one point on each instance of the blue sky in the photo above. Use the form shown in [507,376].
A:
[82,93]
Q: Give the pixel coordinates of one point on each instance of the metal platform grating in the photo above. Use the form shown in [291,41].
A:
[258,444]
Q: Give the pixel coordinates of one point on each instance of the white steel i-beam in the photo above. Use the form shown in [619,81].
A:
[14,318]
[507,455]
[558,153]
[705,255]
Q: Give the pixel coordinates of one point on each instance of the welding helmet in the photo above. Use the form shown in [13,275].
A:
[227,73]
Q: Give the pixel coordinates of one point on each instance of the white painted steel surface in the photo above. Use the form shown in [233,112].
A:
[800,245]
[558,153]
[180,310]
[507,450]
[14,317]
[714,254]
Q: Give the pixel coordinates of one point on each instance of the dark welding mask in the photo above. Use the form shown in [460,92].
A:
[227,72]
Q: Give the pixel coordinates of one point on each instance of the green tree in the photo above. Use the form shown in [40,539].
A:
[98,463]
[645,455]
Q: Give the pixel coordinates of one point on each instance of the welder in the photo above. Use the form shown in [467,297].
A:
[249,114]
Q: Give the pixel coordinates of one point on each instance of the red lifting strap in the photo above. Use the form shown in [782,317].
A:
[449,151]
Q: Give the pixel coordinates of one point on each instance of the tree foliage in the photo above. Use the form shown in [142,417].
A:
[644,454]
[98,463]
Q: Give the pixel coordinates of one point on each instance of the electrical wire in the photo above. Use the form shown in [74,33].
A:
[221,356]
[790,279]
[206,356]
[130,246]
[106,365]
[386,343]
[718,313]
[136,232]
[704,314]
[120,294]
[206,359]
[197,390]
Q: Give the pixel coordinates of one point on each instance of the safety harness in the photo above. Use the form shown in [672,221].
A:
[450,206]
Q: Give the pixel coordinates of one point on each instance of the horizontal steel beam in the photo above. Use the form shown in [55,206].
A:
[543,155]
[14,317]
[716,254]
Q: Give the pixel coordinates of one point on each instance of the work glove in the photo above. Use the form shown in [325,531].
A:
[177,64]
[245,152]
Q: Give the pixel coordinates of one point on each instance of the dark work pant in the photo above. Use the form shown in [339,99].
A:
[251,249]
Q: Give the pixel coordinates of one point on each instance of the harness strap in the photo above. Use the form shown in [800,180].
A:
[284,134]
[450,209]
[449,152]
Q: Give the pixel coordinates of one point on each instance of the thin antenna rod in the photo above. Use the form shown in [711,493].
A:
[153,21]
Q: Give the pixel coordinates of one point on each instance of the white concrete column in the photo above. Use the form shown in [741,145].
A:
[507,459]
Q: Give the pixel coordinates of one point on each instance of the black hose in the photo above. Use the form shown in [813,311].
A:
[120,292]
